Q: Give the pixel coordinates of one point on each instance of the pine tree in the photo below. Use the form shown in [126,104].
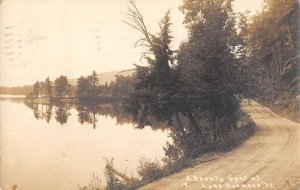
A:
[47,88]
[82,88]
[62,88]
[94,83]
[155,85]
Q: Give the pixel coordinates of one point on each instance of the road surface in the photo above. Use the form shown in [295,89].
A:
[270,159]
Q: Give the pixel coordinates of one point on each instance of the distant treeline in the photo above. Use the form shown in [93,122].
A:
[106,77]
[87,89]
[16,90]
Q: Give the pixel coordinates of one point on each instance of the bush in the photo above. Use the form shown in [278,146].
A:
[150,170]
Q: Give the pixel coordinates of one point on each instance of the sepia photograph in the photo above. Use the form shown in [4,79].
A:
[149,95]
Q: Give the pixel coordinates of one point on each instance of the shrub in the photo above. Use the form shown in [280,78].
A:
[150,170]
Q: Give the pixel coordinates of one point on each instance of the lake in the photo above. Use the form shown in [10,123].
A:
[61,148]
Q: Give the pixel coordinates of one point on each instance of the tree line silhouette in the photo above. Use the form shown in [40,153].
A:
[87,90]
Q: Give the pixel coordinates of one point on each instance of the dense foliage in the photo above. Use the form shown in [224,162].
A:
[195,84]
[272,53]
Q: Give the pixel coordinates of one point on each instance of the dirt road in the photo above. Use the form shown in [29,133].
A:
[270,159]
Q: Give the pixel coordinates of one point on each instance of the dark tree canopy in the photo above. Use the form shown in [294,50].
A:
[272,47]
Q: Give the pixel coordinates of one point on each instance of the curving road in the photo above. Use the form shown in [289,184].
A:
[270,159]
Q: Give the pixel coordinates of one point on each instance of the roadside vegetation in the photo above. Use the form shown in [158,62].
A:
[272,56]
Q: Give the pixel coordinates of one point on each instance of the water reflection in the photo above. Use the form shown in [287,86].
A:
[44,111]
[86,113]
[125,139]
[57,146]
[89,113]
[48,113]
[61,113]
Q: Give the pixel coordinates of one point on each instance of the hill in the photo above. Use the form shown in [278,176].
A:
[106,77]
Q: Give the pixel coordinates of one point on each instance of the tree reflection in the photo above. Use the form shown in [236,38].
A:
[62,113]
[36,111]
[44,111]
[48,113]
[115,111]
[87,113]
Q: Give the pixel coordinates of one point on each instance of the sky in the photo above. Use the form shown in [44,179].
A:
[49,38]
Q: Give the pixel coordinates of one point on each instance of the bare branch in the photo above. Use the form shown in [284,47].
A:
[133,26]
[136,21]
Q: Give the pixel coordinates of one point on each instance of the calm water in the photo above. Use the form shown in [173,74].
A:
[42,153]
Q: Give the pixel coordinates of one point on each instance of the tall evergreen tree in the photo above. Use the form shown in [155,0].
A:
[47,88]
[62,87]
[83,87]
[155,85]
[94,83]
[94,79]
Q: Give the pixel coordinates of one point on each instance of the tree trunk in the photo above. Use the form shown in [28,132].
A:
[126,178]
[219,127]
[214,130]
[195,125]
[234,122]
[290,38]
[181,128]
[227,67]
[94,121]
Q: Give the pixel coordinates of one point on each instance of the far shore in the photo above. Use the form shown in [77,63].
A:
[12,96]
